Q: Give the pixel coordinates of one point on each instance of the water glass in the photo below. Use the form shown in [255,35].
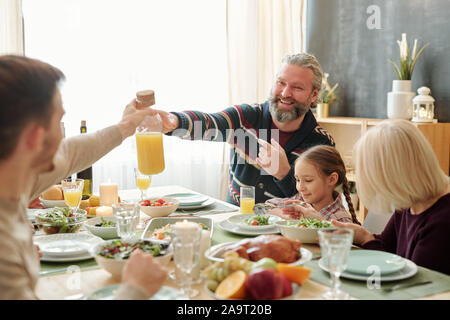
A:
[127,216]
[186,239]
[335,245]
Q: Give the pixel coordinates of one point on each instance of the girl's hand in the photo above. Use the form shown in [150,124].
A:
[360,235]
[301,209]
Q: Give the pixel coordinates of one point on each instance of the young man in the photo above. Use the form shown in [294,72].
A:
[32,158]
[266,138]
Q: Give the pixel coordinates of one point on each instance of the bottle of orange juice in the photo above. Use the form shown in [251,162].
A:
[149,139]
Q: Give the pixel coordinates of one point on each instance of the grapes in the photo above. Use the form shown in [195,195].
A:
[212,285]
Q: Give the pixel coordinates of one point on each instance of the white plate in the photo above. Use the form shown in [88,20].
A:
[66,245]
[53,203]
[408,271]
[204,204]
[233,228]
[239,220]
[215,253]
[84,256]
[188,199]
[108,293]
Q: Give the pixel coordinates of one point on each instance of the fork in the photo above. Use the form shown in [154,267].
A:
[403,286]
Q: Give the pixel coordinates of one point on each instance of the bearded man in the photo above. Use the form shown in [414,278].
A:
[266,138]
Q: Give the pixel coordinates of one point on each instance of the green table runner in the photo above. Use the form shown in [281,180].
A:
[360,290]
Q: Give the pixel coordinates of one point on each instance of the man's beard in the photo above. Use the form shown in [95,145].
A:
[298,110]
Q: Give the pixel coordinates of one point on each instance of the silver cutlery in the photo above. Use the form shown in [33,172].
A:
[403,286]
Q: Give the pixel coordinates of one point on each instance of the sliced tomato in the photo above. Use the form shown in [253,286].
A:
[255,223]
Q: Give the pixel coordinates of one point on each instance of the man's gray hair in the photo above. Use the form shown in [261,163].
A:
[306,60]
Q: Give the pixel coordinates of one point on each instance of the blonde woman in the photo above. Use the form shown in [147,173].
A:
[397,171]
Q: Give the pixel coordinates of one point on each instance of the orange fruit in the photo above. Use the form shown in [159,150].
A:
[233,286]
[294,273]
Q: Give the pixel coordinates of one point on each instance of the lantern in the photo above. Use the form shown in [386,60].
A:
[423,106]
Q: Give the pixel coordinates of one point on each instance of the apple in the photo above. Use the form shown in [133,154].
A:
[265,263]
[287,287]
[263,284]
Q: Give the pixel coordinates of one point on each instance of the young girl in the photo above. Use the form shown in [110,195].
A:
[318,171]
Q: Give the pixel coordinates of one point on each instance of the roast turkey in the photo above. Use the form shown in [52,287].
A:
[277,247]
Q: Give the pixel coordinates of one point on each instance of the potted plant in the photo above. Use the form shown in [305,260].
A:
[327,96]
[400,99]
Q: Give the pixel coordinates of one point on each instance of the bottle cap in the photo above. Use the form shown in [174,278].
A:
[145,98]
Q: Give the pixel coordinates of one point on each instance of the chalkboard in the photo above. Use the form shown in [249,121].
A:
[353,46]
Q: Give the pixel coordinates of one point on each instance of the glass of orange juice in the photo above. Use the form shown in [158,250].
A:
[149,145]
[72,190]
[143,182]
[247,199]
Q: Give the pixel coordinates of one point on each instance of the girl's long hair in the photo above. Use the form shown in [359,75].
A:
[328,160]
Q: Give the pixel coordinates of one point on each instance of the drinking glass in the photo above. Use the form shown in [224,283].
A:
[142,182]
[247,199]
[335,245]
[72,190]
[186,252]
[127,216]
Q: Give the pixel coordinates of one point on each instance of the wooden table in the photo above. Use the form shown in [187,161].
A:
[58,287]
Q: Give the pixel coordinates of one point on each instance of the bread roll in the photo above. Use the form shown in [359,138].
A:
[53,193]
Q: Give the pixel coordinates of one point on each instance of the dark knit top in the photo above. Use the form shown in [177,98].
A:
[239,126]
[422,238]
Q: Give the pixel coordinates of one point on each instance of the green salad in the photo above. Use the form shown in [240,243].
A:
[309,223]
[119,250]
[106,224]
[259,220]
[60,220]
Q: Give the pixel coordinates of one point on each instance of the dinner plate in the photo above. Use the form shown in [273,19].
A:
[66,245]
[198,206]
[188,199]
[360,260]
[215,253]
[84,256]
[408,271]
[239,220]
[108,293]
[31,214]
[233,228]
[53,203]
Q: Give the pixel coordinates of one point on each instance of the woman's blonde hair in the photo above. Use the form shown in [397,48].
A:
[396,167]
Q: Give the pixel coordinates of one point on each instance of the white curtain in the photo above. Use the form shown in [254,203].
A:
[111,49]
[11,27]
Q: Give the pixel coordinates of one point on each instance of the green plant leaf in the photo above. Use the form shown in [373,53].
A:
[396,69]
[411,68]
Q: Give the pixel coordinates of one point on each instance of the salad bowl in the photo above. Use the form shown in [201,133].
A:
[60,220]
[103,227]
[304,230]
[112,255]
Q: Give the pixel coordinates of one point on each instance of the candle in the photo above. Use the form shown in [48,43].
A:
[185,227]
[109,194]
[104,211]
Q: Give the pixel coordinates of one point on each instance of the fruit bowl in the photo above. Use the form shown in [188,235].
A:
[295,289]
[113,260]
[159,207]
[60,220]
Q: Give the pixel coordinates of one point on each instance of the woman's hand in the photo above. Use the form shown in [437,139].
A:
[360,235]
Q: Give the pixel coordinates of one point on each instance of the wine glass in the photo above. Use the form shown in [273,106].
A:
[142,182]
[186,252]
[335,246]
[72,190]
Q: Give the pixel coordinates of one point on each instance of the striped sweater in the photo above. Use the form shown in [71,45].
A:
[240,126]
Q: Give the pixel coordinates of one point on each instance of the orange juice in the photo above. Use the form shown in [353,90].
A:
[150,152]
[72,198]
[143,183]
[247,205]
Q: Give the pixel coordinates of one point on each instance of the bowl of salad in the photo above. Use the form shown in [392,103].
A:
[60,220]
[103,227]
[303,230]
[159,207]
[112,255]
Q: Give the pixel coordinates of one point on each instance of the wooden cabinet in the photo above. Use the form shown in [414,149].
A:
[346,131]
